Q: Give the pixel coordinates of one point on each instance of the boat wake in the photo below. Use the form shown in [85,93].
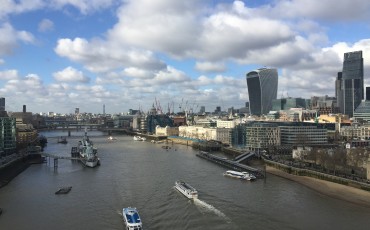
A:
[209,208]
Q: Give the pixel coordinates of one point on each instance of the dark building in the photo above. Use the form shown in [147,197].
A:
[367,93]
[351,90]
[151,122]
[262,89]
[2,104]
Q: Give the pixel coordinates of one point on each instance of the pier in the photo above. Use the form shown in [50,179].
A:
[56,157]
[231,164]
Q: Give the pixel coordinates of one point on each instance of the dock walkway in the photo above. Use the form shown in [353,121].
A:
[230,164]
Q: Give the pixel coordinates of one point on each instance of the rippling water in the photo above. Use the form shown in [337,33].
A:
[142,175]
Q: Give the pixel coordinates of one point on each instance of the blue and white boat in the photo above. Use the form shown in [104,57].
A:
[132,219]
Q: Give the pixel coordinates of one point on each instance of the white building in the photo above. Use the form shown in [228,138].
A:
[166,131]
[198,132]
[226,124]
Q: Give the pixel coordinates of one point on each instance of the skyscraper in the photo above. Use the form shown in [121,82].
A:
[2,104]
[351,91]
[262,89]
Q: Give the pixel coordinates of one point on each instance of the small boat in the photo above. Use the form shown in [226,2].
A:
[139,138]
[62,140]
[186,189]
[110,138]
[132,219]
[63,190]
[240,175]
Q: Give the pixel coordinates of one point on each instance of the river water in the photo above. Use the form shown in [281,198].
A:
[142,175]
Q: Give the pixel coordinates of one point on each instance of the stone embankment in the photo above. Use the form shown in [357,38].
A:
[318,175]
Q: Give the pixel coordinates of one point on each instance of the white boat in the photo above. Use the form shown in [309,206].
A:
[88,154]
[240,175]
[132,219]
[139,138]
[110,138]
[186,189]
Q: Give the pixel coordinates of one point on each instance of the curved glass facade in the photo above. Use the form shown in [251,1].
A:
[262,89]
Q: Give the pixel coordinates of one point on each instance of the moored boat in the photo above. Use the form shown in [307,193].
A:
[186,189]
[110,138]
[137,138]
[132,219]
[63,190]
[88,153]
[240,175]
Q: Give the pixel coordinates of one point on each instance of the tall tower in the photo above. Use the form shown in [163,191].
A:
[2,104]
[352,84]
[262,89]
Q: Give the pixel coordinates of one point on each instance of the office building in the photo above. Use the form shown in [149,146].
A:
[2,104]
[262,89]
[351,90]
[367,93]
[288,103]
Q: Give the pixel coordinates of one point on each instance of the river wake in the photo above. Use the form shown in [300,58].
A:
[209,208]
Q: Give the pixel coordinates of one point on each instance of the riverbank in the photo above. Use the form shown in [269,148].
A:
[334,190]
[13,169]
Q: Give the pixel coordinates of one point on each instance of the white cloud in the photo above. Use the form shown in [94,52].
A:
[9,74]
[17,7]
[70,74]
[104,56]
[326,10]
[46,25]
[210,66]
[10,36]
[84,6]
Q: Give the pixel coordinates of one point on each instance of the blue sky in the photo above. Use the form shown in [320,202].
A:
[58,55]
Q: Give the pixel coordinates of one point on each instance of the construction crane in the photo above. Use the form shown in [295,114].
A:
[180,106]
[158,106]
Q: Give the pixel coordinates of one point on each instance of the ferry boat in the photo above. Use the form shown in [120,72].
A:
[240,175]
[88,153]
[137,138]
[132,219]
[110,138]
[186,189]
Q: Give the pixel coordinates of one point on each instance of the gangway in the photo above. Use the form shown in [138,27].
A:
[56,157]
[244,156]
[230,163]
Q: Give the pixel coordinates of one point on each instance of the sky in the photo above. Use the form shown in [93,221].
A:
[58,55]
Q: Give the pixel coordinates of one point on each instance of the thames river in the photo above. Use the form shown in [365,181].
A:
[142,175]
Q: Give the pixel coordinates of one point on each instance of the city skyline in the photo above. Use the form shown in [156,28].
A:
[58,56]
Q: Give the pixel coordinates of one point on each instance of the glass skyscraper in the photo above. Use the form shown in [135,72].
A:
[351,90]
[262,89]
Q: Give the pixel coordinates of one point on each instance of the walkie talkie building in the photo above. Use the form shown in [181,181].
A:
[262,89]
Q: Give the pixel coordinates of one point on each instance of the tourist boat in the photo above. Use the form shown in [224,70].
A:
[139,138]
[88,154]
[110,138]
[63,190]
[240,175]
[186,189]
[132,219]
